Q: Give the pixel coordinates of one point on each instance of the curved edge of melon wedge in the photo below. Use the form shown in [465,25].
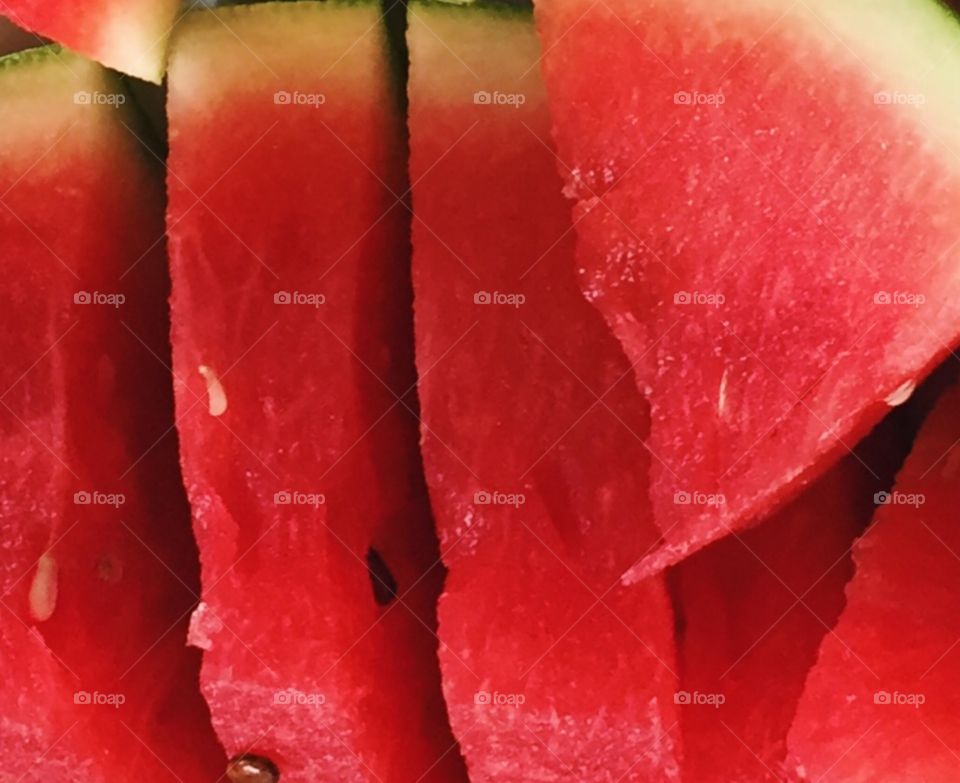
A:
[135,41]
[130,36]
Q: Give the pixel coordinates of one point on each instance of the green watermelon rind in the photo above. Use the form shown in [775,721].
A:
[504,8]
[240,9]
[29,56]
[951,11]
[392,39]
[129,114]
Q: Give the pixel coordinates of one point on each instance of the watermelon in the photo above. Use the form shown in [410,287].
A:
[755,607]
[293,368]
[98,571]
[129,35]
[531,431]
[765,204]
[881,702]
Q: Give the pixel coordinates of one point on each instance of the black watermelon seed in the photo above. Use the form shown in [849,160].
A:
[252,769]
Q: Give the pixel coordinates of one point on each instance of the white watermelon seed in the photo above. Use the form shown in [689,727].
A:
[901,394]
[216,396]
[43,590]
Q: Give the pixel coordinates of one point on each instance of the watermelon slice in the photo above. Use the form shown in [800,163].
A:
[98,570]
[754,608]
[532,433]
[129,35]
[766,211]
[292,360]
[881,703]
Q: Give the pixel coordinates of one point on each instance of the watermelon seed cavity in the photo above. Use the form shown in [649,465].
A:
[381,579]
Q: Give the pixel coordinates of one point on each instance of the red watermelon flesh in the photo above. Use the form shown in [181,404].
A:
[755,607]
[766,211]
[98,569]
[531,433]
[129,35]
[292,344]
[881,703]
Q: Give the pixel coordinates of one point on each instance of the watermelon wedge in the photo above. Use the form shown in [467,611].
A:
[98,570]
[129,35]
[292,343]
[754,608]
[766,206]
[531,433]
[881,703]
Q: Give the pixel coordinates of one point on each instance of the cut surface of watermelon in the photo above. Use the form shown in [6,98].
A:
[766,207]
[98,568]
[881,703]
[292,342]
[755,607]
[531,433]
[129,35]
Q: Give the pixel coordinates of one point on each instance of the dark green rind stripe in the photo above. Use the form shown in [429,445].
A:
[32,55]
[512,8]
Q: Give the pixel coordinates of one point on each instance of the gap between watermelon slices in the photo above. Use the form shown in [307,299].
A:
[293,366]
[754,607]
[13,39]
[531,433]
[766,213]
[98,568]
[881,703]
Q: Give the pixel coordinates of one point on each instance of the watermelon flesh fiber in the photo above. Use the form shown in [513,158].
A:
[759,236]
[299,460]
[552,670]
[881,703]
[96,592]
